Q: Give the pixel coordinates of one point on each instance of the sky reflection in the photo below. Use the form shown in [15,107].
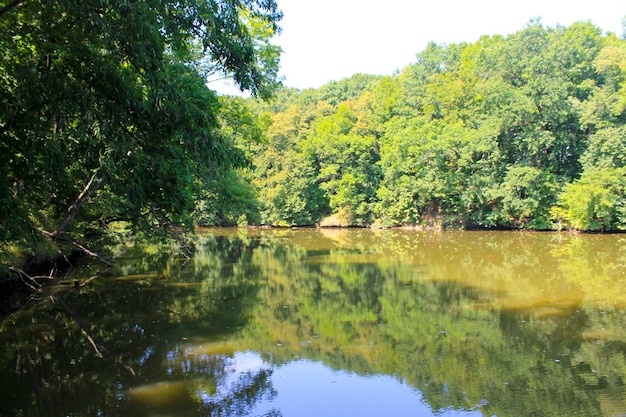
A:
[326,392]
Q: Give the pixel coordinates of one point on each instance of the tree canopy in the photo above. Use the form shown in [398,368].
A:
[524,131]
[107,101]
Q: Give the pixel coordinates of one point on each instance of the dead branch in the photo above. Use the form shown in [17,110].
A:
[64,258]
[48,277]
[26,279]
[85,195]
[94,340]
[88,252]
[62,237]
[91,278]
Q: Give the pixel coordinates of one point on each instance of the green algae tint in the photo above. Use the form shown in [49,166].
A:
[333,323]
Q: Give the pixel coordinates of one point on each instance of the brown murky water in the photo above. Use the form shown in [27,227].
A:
[331,322]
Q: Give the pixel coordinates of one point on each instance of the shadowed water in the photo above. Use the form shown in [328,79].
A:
[332,323]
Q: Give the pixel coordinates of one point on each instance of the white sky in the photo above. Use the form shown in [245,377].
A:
[326,40]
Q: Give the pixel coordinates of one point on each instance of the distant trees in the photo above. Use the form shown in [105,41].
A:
[512,132]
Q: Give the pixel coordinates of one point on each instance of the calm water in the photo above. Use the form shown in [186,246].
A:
[330,323]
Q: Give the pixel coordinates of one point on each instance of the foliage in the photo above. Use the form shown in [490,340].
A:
[491,134]
[108,101]
[595,202]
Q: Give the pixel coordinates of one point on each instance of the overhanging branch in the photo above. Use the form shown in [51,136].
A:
[11,6]
[85,195]
[61,236]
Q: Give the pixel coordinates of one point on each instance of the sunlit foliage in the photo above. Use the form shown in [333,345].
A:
[507,132]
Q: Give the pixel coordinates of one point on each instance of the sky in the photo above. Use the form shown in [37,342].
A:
[325,40]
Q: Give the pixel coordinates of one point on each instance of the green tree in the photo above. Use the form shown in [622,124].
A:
[486,134]
[107,101]
[595,202]
[286,181]
[231,199]
[527,194]
[346,164]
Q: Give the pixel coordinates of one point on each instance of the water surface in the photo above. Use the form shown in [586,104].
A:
[333,323]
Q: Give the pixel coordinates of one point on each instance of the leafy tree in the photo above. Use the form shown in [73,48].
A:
[285,179]
[346,164]
[606,149]
[336,92]
[527,195]
[107,101]
[230,198]
[595,202]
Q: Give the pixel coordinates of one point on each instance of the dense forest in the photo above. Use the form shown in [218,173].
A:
[525,131]
[108,121]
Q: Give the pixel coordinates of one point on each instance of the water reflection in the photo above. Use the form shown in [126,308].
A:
[332,322]
[212,384]
[307,388]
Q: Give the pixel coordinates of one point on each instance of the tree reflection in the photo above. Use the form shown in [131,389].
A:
[247,391]
[99,350]
[476,321]
[210,391]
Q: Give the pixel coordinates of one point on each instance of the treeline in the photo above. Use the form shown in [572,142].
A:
[525,131]
[106,118]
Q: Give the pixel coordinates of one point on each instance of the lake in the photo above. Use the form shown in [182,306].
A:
[329,322]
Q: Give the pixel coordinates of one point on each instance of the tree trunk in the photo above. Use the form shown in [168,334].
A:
[90,189]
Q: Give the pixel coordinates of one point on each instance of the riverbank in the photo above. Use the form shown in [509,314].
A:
[25,273]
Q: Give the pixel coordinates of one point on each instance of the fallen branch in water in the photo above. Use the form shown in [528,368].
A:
[91,278]
[30,281]
[26,279]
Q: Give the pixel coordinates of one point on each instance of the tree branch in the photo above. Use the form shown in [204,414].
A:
[78,245]
[10,6]
[76,319]
[84,196]
[91,278]
[94,340]
[26,279]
